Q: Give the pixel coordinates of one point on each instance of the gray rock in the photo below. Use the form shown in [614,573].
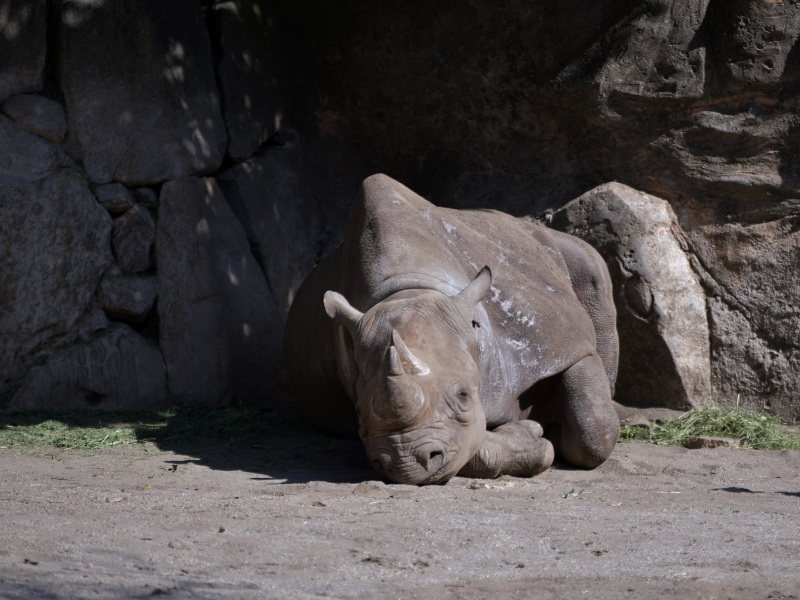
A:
[23,46]
[145,196]
[139,85]
[114,197]
[247,74]
[27,156]
[91,323]
[54,247]
[132,240]
[268,196]
[753,41]
[219,330]
[119,371]
[37,115]
[127,298]
[750,271]
[654,54]
[661,306]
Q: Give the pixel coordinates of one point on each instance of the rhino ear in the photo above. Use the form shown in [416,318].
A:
[476,290]
[339,309]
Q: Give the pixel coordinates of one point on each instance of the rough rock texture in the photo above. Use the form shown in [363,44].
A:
[37,115]
[23,46]
[54,247]
[246,71]
[755,41]
[268,195]
[26,156]
[220,332]
[119,371]
[661,306]
[139,84]
[127,298]
[145,196]
[132,239]
[114,197]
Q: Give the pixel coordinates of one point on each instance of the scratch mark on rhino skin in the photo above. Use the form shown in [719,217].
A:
[505,306]
[449,228]
[519,344]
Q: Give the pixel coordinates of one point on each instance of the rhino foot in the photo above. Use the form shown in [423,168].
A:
[515,448]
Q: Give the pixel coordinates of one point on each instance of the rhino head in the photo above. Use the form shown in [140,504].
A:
[415,379]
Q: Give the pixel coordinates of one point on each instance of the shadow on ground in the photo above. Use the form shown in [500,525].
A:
[270,443]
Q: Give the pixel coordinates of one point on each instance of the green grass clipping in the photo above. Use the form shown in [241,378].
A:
[93,430]
[753,430]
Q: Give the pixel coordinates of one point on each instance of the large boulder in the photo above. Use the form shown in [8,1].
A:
[54,247]
[118,371]
[132,239]
[247,73]
[23,46]
[139,85]
[219,329]
[127,298]
[661,306]
[27,156]
[268,195]
[39,115]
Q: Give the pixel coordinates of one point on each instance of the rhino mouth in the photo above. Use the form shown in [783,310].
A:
[424,465]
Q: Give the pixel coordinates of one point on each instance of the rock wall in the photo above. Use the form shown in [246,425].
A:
[151,153]
[126,278]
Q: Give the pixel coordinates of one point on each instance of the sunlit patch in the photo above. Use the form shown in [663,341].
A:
[202,227]
[232,277]
[246,329]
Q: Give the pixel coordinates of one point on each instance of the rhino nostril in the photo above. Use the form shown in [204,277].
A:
[435,460]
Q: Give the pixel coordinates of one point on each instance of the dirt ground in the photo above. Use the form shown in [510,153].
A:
[293,514]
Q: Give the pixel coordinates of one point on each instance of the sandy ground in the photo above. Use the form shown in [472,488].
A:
[296,515]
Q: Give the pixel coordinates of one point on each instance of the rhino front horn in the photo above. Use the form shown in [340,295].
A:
[410,363]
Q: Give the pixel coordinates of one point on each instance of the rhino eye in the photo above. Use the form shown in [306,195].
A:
[463,399]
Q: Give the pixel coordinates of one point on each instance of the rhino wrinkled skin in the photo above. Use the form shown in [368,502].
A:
[456,341]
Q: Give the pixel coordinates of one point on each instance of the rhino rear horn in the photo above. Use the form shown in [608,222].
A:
[476,290]
[339,309]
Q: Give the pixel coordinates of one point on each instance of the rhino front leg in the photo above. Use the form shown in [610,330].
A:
[515,448]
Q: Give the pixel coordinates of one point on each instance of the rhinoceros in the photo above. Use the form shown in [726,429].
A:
[455,342]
